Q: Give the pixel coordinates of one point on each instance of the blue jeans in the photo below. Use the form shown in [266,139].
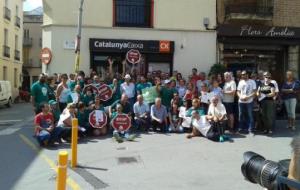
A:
[245,116]
[50,137]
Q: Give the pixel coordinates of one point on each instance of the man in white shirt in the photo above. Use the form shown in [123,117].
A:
[246,91]
[229,91]
[128,88]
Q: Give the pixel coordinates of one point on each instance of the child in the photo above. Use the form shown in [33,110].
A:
[174,119]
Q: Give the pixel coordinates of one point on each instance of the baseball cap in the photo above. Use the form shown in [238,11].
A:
[52,102]
[127,76]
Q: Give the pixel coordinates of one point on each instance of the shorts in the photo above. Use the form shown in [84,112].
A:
[229,107]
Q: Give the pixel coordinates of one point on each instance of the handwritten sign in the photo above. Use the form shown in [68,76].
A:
[121,122]
[97,119]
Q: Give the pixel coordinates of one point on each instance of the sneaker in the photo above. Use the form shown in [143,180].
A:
[131,137]
[221,139]
[118,138]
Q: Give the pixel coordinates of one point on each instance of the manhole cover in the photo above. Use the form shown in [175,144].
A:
[127,160]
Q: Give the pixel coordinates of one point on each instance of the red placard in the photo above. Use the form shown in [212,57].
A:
[121,122]
[97,124]
[133,56]
[46,56]
[93,87]
[105,92]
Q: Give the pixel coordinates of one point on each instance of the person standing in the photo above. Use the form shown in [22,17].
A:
[266,93]
[63,92]
[246,91]
[166,93]
[289,92]
[128,88]
[229,90]
[39,93]
[142,85]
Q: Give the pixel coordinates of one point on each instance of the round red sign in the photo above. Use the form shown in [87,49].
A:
[91,87]
[97,119]
[46,56]
[133,56]
[121,122]
[105,92]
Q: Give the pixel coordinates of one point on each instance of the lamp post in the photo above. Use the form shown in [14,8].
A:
[78,38]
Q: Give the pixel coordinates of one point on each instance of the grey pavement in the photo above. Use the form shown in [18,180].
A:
[154,161]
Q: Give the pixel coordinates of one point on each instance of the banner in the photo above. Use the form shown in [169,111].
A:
[121,122]
[149,94]
[97,119]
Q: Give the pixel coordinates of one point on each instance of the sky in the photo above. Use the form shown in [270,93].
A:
[31,4]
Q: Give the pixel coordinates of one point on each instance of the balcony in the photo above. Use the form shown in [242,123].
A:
[7,13]
[27,42]
[17,55]
[249,11]
[18,22]
[6,51]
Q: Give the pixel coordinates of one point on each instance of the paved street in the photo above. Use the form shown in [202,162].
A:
[154,161]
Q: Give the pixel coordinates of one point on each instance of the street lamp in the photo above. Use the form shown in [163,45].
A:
[78,37]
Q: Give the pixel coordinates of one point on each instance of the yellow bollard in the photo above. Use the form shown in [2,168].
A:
[74,142]
[62,170]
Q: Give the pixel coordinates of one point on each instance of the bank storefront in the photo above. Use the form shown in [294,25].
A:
[251,47]
[152,55]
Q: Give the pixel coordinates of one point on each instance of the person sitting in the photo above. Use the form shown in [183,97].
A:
[175,124]
[159,116]
[83,117]
[54,109]
[45,130]
[141,114]
[120,136]
[217,116]
[98,106]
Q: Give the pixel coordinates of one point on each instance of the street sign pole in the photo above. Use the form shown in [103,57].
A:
[78,38]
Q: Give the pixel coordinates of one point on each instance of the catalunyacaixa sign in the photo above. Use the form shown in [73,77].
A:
[258,31]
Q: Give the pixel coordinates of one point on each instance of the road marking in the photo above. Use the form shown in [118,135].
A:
[70,181]
[13,120]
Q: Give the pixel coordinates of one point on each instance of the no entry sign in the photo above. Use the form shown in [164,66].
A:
[46,56]
[105,92]
[133,56]
[121,122]
[97,119]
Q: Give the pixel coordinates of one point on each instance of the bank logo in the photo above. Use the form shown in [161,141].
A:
[164,46]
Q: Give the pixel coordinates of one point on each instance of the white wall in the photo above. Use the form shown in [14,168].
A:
[199,48]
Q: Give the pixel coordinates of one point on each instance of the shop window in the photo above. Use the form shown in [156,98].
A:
[133,13]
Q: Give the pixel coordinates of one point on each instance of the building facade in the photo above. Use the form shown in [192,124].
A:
[259,35]
[169,34]
[11,34]
[32,44]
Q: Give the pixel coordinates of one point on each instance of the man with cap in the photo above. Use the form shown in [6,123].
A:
[246,91]
[128,88]
[166,93]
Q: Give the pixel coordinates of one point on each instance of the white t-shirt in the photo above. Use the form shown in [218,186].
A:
[246,88]
[217,111]
[229,86]
[275,85]
[129,90]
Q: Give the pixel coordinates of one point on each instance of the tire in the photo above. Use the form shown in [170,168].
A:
[9,103]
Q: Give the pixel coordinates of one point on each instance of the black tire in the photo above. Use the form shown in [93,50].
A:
[9,103]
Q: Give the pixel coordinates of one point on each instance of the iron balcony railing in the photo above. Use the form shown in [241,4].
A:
[133,13]
[18,22]
[17,55]
[6,51]
[27,42]
[252,9]
[7,13]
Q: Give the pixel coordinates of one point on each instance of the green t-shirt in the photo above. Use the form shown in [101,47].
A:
[141,86]
[87,99]
[83,117]
[40,92]
[199,110]
[116,96]
[56,114]
[71,84]
[167,95]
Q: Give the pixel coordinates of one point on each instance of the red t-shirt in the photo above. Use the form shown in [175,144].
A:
[43,121]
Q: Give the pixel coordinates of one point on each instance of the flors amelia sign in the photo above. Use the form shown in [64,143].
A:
[258,31]
[122,45]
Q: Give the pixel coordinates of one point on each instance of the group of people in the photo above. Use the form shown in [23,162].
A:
[198,106]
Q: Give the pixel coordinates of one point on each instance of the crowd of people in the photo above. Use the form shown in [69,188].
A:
[212,107]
